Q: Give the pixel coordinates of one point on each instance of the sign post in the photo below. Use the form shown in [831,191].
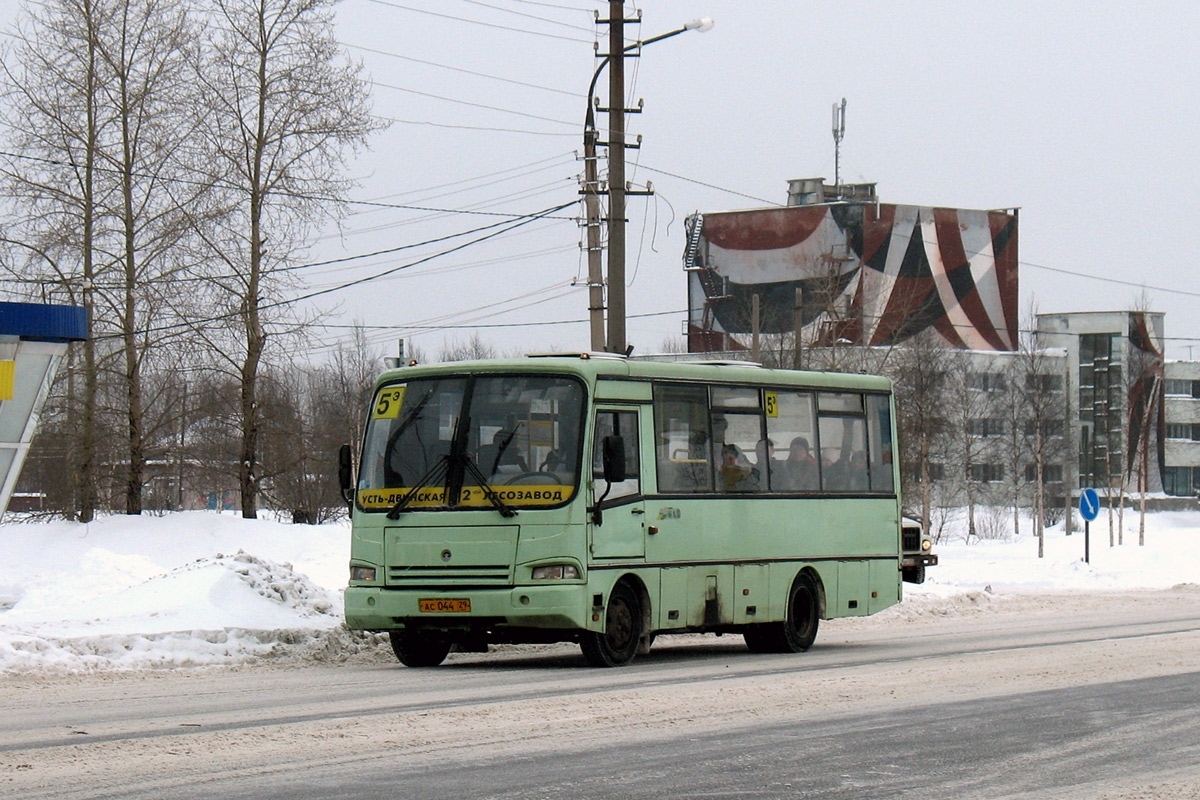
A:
[1089,508]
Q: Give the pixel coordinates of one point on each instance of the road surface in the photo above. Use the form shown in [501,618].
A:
[1052,696]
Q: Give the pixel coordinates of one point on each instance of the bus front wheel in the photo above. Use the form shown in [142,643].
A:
[798,630]
[415,649]
[618,644]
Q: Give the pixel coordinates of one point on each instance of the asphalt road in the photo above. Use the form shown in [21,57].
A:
[1061,696]
[1046,743]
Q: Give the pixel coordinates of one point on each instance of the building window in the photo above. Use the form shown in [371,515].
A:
[1051,473]
[1182,388]
[986,473]
[1050,427]
[1181,481]
[1188,431]
[986,381]
[1044,383]
[985,426]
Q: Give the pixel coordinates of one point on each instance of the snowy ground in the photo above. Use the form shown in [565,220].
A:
[199,589]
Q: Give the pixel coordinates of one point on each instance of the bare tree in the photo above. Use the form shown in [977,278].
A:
[1013,411]
[284,110]
[104,106]
[147,57]
[921,374]
[472,348]
[349,382]
[978,428]
[53,91]
[1040,389]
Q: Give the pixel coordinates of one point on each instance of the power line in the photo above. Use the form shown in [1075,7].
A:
[479,22]
[476,105]
[529,16]
[485,128]
[271,192]
[707,185]
[398,223]
[397,249]
[348,284]
[1172,290]
[559,157]
[542,323]
[464,71]
[515,216]
[553,188]
[553,5]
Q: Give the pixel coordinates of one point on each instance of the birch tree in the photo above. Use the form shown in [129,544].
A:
[1043,394]
[53,93]
[147,56]
[921,373]
[284,112]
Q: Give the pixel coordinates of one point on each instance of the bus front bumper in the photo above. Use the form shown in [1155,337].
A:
[375,608]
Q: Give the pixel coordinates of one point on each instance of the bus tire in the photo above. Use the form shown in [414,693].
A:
[618,644]
[798,630]
[803,614]
[415,649]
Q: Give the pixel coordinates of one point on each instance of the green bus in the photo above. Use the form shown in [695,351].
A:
[602,500]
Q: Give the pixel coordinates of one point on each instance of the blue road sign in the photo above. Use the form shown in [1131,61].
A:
[1089,504]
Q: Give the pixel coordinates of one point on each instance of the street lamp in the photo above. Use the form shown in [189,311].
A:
[616,182]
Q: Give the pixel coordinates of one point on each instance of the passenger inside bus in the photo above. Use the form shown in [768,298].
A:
[800,469]
[736,472]
[502,455]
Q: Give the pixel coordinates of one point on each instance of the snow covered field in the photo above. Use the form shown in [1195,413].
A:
[200,588]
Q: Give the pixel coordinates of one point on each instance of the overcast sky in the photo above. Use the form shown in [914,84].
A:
[1082,114]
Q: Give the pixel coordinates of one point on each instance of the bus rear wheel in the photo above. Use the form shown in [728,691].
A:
[618,644]
[798,630]
[415,649]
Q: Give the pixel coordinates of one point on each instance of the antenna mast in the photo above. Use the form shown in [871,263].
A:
[839,131]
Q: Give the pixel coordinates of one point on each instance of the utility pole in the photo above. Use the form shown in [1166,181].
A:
[616,177]
[591,206]
[798,352]
[839,131]
[617,191]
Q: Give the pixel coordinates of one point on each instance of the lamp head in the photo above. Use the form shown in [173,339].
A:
[701,25]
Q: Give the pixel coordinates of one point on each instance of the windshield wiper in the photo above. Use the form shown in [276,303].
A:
[504,508]
[435,472]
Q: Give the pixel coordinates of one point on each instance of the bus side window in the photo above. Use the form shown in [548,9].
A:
[879,444]
[842,428]
[625,425]
[735,440]
[683,449]
[791,427]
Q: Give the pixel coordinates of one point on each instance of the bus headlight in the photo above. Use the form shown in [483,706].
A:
[362,574]
[556,572]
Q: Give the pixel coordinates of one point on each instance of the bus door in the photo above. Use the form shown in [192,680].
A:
[621,532]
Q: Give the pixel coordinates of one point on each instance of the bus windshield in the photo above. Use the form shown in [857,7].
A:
[439,436]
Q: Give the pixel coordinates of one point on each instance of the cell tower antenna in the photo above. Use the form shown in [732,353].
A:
[839,131]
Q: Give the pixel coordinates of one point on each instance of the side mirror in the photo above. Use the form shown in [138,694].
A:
[346,474]
[613,457]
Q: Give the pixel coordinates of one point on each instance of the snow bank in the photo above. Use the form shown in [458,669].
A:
[1171,556]
[134,593]
[204,589]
